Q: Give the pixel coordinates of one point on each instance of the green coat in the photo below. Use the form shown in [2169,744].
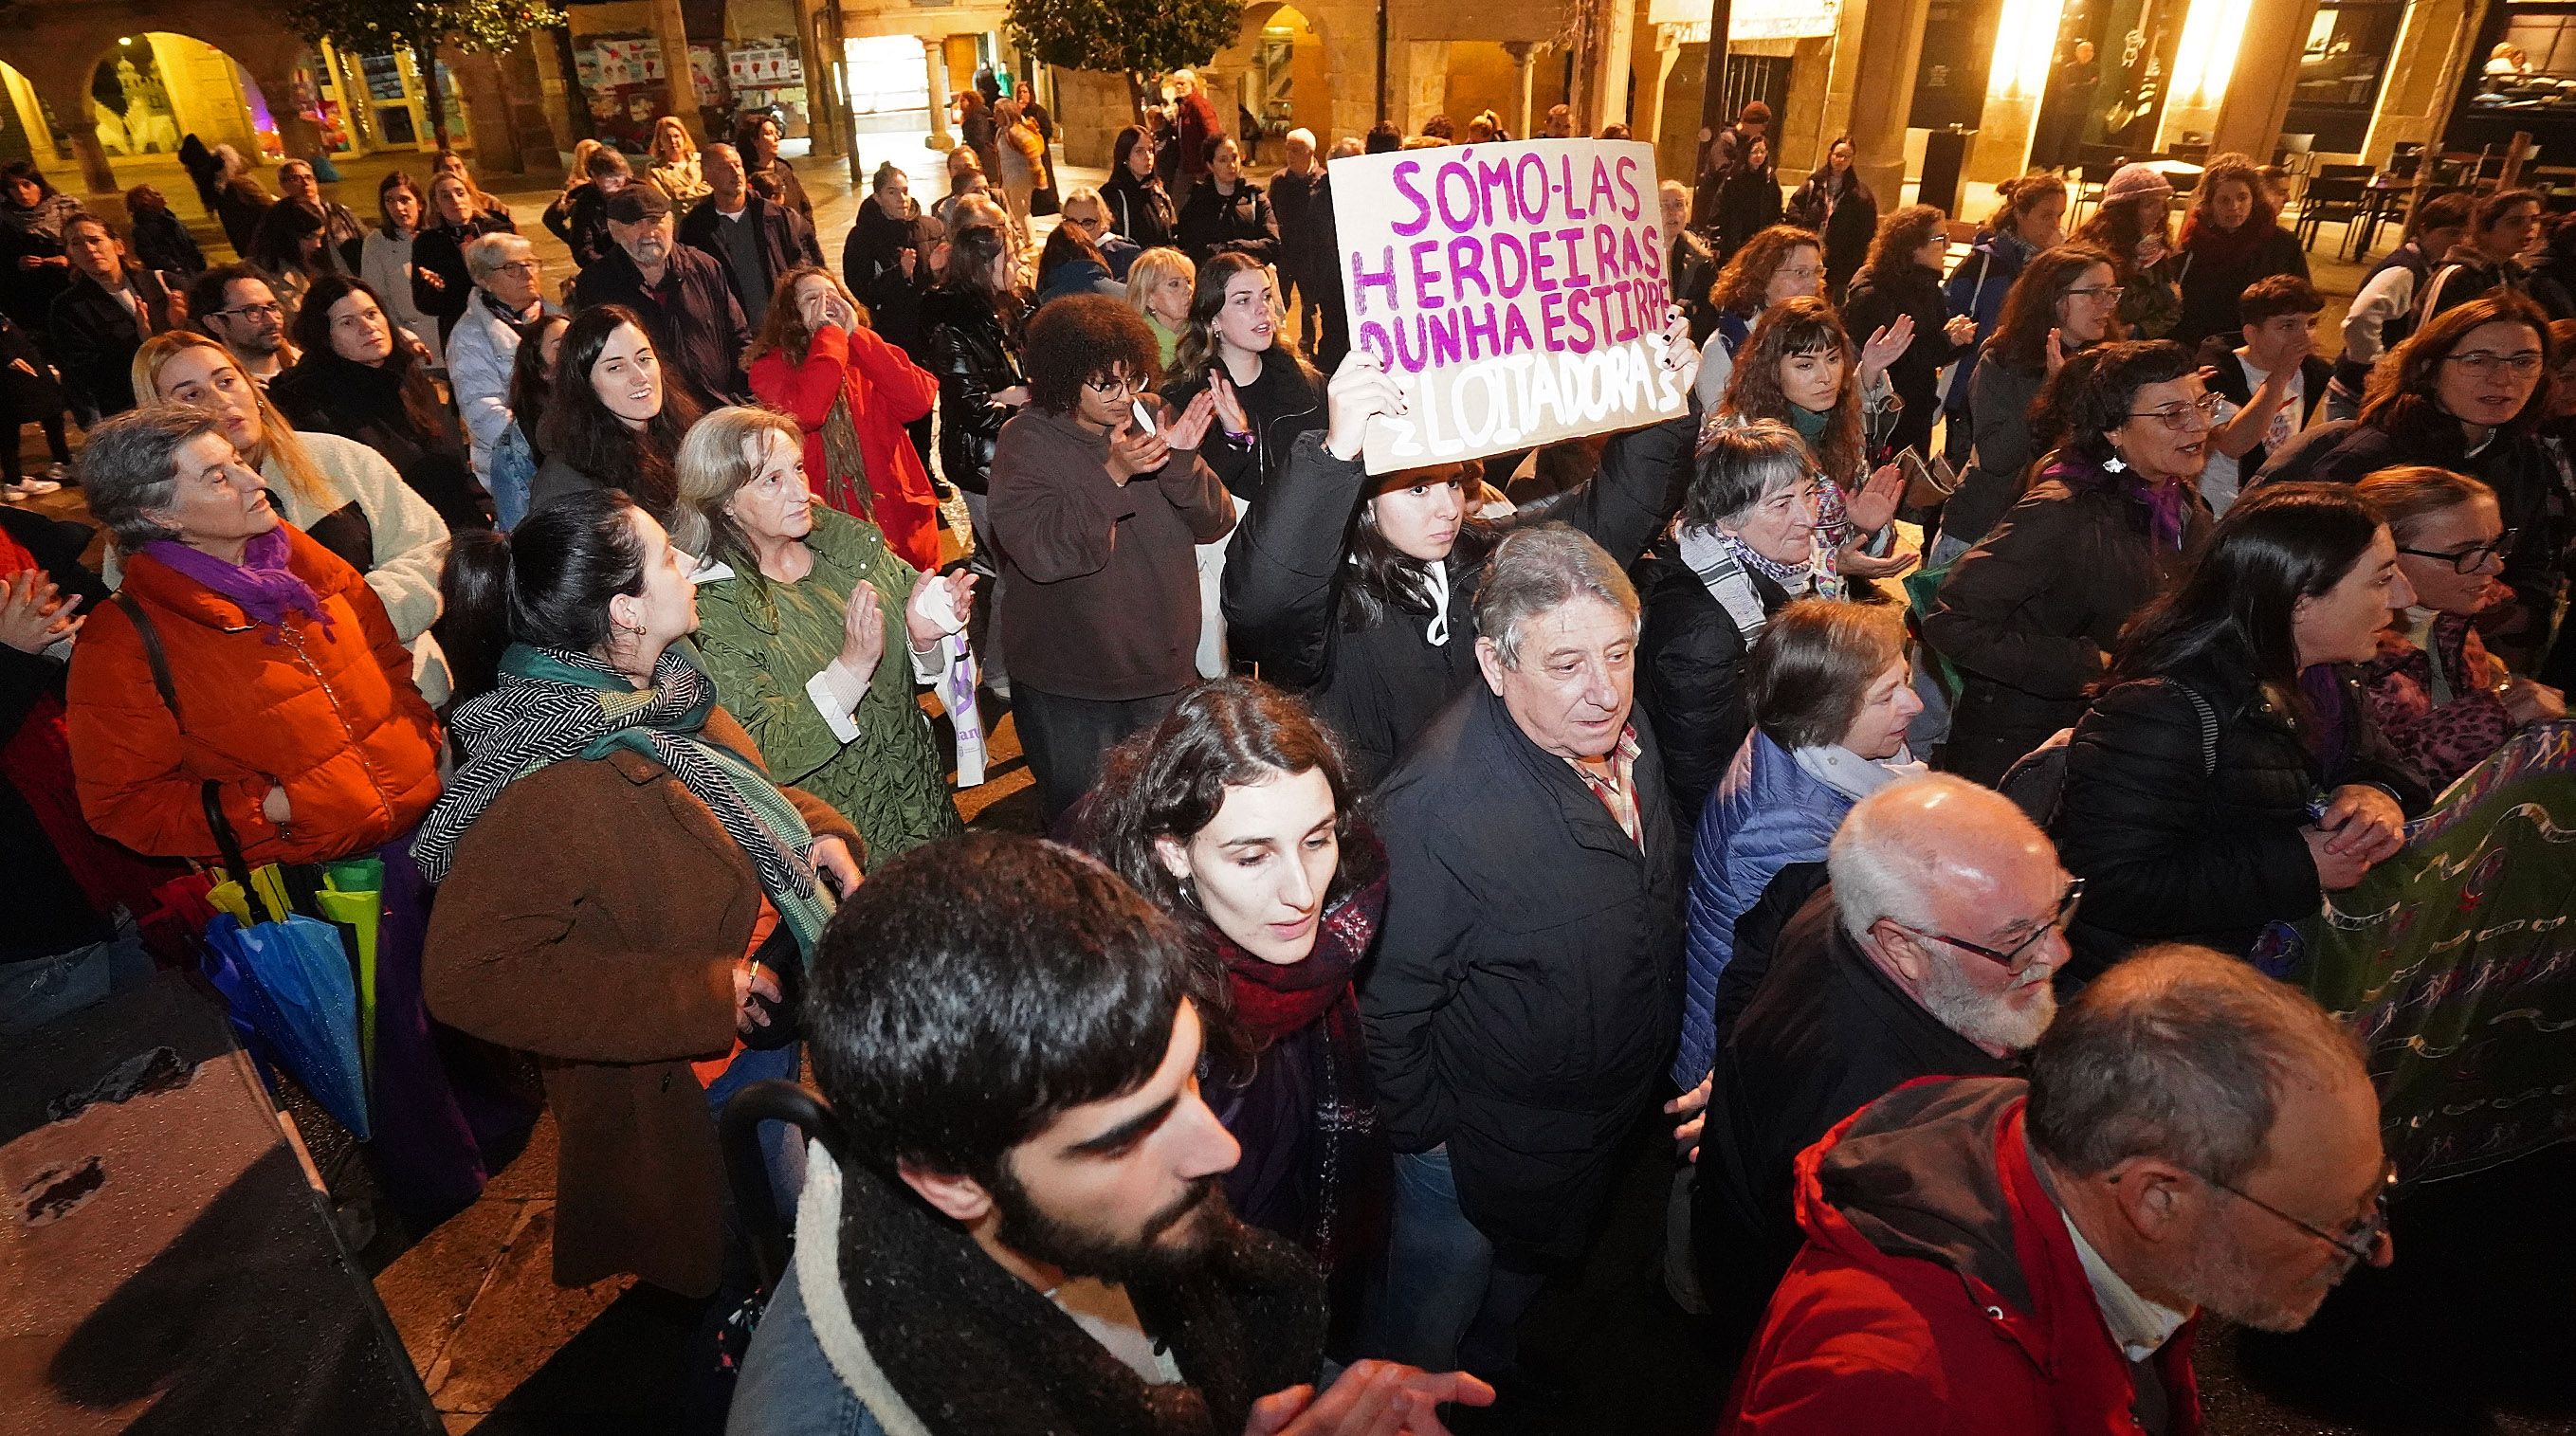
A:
[762,640]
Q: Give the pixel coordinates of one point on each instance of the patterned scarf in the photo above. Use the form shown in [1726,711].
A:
[845,479]
[262,583]
[552,705]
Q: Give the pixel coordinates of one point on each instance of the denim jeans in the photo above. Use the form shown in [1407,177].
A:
[1445,1304]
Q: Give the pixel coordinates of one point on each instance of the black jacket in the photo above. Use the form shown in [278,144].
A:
[355,401]
[872,266]
[2030,615]
[1846,231]
[2551,283]
[1141,210]
[440,249]
[1527,984]
[2218,354]
[1239,223]
[2515,465]
[2464,274]
[1378,685]
[1877,299]
[1825,1034]
[49,912]
[2210,289]
[2175,848]
[94,336]
[162,242]
[1282,404]
[1692,266]
[696,325]
[585,225]
[972,353]
[1690,670]
[786,241]
[1999,403]
[1304,254]
[1747,203]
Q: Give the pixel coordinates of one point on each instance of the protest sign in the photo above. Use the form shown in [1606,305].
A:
[1515,291]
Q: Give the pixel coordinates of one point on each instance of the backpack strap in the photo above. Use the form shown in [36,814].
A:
[210,793]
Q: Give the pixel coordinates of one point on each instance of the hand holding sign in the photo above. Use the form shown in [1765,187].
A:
[1679,356]
[1360,391]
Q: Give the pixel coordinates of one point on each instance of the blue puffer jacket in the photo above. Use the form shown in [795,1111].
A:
[1976,288]
[1766,814]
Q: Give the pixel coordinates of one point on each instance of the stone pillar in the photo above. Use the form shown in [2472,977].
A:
[1614,35]
[496,140]
[2424,73]
[671,31]
[1524,73]
[934,53]
[2258,94]
[97,175]
[822,81]
[1891,45]
[1667,51]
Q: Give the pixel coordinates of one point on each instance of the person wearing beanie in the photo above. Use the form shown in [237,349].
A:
[2132,226]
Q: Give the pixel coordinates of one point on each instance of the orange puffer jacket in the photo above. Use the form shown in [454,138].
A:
[334,720]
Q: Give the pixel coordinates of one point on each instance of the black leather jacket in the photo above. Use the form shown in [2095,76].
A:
[971,350]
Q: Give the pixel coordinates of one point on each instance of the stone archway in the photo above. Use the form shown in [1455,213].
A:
[264,57]
[1278,68]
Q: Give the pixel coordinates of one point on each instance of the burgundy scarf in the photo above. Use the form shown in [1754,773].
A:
[2226,248]
[1273,999]
[261,583]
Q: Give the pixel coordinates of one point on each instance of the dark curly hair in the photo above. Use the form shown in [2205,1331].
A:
[2403,398]
[1891,250]
[1082,337]
[2096,396]
[312,334]
[1745,283]
[1800,326]
[1169,781]
[2020,340]
[2225,170]
[580,430]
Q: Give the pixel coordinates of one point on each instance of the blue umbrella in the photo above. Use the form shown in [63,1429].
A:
[301,1003]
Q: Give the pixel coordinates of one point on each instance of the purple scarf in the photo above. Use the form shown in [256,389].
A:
[2165,504]
[261,583]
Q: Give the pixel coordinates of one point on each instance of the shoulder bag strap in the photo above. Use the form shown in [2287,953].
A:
[2208,728]
[210,792]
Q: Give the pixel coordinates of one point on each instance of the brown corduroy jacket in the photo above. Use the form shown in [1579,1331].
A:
[593,918]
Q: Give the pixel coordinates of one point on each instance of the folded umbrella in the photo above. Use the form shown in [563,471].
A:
[307,1007]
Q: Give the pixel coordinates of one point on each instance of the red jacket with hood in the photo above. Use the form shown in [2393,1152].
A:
[1939,1291]
[887,391]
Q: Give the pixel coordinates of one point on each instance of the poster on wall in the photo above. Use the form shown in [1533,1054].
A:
[764,64]
[1515,291]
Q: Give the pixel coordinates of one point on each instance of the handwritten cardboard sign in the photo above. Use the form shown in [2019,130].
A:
[1515,291]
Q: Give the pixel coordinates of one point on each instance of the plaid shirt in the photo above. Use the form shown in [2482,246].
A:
[1617,786]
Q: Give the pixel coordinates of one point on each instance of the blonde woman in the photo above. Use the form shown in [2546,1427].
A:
[344,495]
[672,167]
[1159,285]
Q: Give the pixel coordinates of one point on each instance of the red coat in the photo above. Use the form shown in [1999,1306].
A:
[887,391]
[1944,1297]
[334,720]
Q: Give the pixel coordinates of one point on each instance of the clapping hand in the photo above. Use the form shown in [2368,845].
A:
[1961,330]
[1229,405]
[1873,506]
[1885,347]
[955,592]
[1137,450]
[909,259]
[1359,392]
[862,631]
[1191,425]
[31,618]
[2057,351]
[1371,1398]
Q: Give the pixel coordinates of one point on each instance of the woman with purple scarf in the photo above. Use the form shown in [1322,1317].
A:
[2029,616]
[1235,815]
[246,688]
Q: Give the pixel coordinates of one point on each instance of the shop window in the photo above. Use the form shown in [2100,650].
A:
[2531,69]
[2341,68]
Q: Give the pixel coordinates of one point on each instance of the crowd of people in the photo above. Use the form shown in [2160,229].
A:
[1880,780]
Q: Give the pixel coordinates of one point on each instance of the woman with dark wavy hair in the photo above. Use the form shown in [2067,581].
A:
[363,377]
[2467,392]
[1237,815]
[2030,615]
[1902,280]
[2065,299]
[2231,238]
[611,420]
[1353,589]
[1800,368]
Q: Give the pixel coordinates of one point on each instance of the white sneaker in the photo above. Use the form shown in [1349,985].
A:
[11,493]
[31,487]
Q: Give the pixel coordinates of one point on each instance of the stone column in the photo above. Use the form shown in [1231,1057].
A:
[671,31]
[934,53]
[1891,45]
[1614,35]
[97,175]
[1667,51]
[1523,53]
[2258,94]
[488,119]
[822,82]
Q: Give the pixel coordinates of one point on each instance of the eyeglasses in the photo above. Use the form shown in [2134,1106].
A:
[520,266]
[270,310]
[2361,1243]
[2487,366]
[2200,413]
[1114,387]
[1803,273]
[2011,957]
[2109,293]
[1097,221]
[2472,558]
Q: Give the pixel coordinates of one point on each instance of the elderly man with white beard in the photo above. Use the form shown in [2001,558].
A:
[1928,953]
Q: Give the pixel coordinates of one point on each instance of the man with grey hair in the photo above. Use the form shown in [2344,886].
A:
[509,301]
[1305,262]
[1927,953]
[1993,1256]
[755,238]
[1524,994]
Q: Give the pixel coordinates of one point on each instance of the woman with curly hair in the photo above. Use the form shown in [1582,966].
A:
[1098,517]
[2231,238]
[2065,300]
[2030,615]
[1902,280]
[1799,369]
[611,421]
[2132,226]
[1779,263]
[1237,815]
